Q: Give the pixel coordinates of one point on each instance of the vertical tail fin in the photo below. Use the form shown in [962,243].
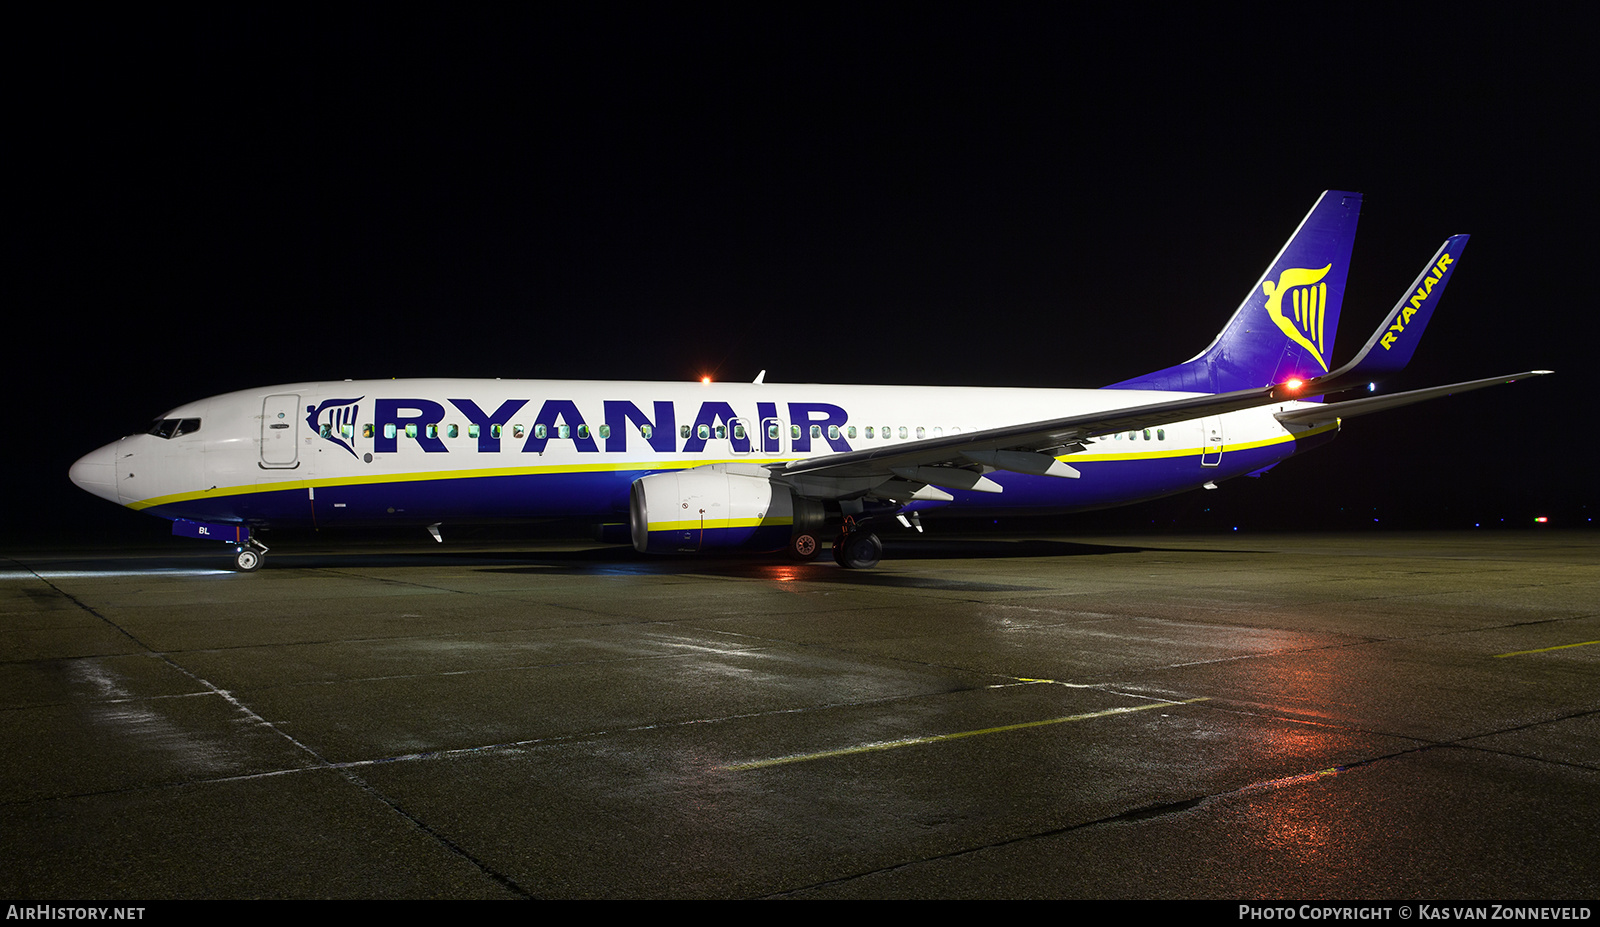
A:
[1286,326]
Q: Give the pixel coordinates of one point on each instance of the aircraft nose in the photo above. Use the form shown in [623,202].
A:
[96,472]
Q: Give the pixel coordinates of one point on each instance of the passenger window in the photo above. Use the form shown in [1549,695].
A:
[453,431]
[1161,434]
[583,430]
[816,431]
[833,432]
[411,429]
[683,431]
[772,431]
[540,432]
[517,431]
[366,430]
[325,431]
[604,431]
[794,432]
[563,431]
[347,430]
[431,431]
[722,432]
[920,432]
[388,430]
[938,432]
[472,431]
[738,431]
[702,431]
[1147,434]
[869,431]
[850,432]
[902,431]
[645,431]
[494,431]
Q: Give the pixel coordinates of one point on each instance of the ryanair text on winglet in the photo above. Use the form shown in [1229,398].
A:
[1417,299]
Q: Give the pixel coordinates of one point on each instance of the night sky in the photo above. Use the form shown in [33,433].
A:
[209,200]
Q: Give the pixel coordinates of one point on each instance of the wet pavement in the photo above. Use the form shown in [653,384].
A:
[1272,716]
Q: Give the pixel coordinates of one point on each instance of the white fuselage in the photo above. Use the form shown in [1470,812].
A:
[436,450]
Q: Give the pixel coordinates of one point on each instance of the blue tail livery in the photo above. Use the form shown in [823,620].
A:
[690,467]
[1286,324]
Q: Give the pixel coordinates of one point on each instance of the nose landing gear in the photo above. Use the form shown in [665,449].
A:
[247,551]
[247,557]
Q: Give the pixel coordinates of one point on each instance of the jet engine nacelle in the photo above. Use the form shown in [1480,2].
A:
[716,506]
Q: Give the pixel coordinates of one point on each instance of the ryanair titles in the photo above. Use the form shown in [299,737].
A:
[1413,305]
[428,423]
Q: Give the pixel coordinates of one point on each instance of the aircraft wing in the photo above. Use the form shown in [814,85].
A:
[1034,447]
[957,461]
[1043,439]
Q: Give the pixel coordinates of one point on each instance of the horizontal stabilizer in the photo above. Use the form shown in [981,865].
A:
[1334,411]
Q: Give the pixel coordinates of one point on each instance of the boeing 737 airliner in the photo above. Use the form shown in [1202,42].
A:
[767,466]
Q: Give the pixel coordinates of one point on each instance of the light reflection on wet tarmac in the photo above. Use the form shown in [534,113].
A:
[572,722]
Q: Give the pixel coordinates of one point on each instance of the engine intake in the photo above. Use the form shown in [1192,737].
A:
[712,507]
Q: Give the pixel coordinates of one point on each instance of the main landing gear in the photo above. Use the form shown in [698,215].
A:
[853,549]
[857,550]
[804,547]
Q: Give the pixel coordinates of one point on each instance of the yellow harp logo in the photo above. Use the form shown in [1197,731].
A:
[1309,300]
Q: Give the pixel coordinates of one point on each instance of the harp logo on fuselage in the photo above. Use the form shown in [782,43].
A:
[335,420]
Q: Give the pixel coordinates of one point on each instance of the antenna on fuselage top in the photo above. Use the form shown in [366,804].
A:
[759,377]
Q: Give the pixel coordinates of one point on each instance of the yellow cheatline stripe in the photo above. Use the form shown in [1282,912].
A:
[710,523]
[1518,653]
[418,476]
[938,738]
[1094,456]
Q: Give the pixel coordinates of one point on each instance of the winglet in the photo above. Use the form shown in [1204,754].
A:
[1391,346]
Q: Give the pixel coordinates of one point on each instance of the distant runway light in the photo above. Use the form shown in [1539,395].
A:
[705,379]
[1542,519]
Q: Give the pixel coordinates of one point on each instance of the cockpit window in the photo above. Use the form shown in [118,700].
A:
[173,427]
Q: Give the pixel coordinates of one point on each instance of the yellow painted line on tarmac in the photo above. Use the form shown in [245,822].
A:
[1518,653]
[939,738]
